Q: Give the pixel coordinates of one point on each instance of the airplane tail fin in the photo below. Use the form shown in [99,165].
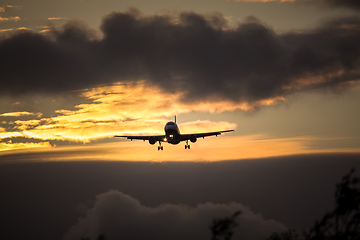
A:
[175,118]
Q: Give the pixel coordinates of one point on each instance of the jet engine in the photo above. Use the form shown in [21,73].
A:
[192,138]
[152,140]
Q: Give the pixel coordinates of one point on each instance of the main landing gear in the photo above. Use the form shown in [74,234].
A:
[160,147]
[187,146]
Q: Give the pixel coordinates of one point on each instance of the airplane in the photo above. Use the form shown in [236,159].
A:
[173,136]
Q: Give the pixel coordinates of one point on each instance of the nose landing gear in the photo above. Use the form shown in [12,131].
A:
[160,147]
[187,146]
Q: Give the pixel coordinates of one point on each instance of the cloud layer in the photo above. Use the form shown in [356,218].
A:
[344,3]
[120,109]
[336,3]
[119,216]
[191,53]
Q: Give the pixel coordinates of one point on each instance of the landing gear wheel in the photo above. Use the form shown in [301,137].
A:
[160,147]
[188,146]
[185,147]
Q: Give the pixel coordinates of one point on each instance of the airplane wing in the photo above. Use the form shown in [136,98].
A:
[185,137]
[157,137]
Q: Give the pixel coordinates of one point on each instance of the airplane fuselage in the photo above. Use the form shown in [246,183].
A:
[172,133]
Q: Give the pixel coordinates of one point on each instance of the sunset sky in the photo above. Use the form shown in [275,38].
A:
[74,73]
[82,71]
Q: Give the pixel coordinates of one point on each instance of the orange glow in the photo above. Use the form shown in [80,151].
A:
[12,6]
[205,126]
[4,134]
[57,18]
[211,149]
[7,146]
[15,19]
[18,114]
[13,29]
[314,79]
[124,109]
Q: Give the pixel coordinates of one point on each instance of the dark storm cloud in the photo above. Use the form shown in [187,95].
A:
[192,52]
[345,3]
[119,216]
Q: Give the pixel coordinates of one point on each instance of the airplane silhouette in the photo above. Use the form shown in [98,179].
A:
[173,136]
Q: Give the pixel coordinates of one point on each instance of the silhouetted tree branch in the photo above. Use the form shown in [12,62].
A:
[100,237]
[223,228]
[343,223]
[291,234]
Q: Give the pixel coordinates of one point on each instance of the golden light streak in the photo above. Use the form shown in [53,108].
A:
[314,79]
[7,146]
[18,114]
[126,109]
[205,126]
[13,29]
[15,19]
[57,18]
[44,31]
[211,149]
[23,125]
[12,6]
[10,134]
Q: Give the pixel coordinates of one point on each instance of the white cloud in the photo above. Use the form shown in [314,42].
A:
[119,216]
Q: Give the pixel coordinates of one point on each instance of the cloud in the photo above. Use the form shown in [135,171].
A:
[264,1]
[119,109]
[18,114]
[294,190]
[12,6]
[336,3]
[4,134]
[344,3]
[13,29]
[15,19]
[204,126]
[7,146]
[119,216]
[2,9]
[57,18]
[192,54]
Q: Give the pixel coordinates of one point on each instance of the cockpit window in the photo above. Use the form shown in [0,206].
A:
[170,123]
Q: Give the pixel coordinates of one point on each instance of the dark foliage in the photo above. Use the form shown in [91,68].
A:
[291,234]
[100,237]
[343,223]
[223,228]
